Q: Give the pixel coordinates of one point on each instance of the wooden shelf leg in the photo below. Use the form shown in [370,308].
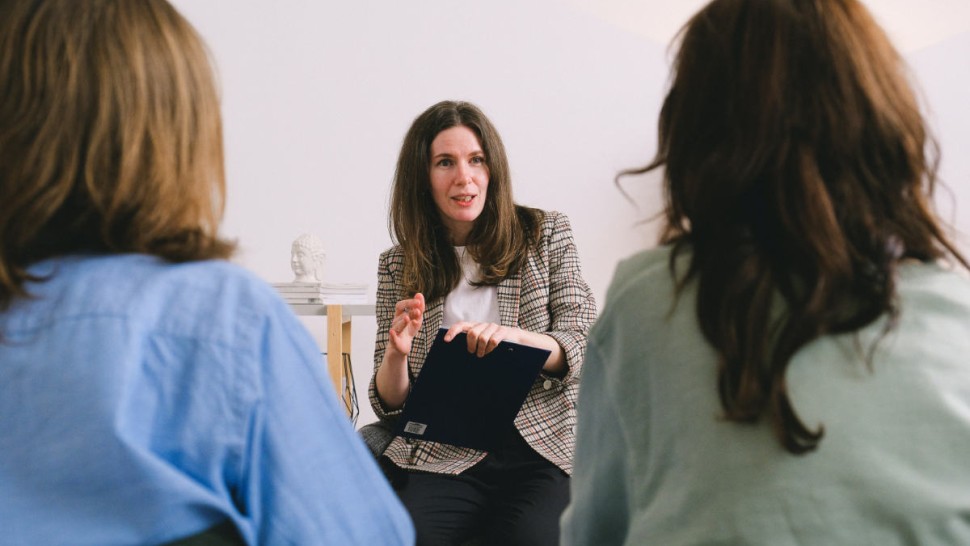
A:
[335,346]
[338,343]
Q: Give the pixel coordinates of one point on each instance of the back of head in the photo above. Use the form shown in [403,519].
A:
[798,166]
[794,114]
[110,135]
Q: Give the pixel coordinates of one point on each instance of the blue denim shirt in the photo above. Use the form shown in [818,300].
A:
[142,401]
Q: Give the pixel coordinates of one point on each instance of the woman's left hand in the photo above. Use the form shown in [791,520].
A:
[483,337]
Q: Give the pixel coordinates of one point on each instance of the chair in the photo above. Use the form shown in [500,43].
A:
[377,436]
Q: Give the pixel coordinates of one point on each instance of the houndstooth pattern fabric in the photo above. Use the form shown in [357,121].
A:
[549,296]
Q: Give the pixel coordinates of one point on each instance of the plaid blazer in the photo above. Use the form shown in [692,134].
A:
[548,295]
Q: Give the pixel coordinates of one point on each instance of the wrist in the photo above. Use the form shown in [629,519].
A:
[394,356]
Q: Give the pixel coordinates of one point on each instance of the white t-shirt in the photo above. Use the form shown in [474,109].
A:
[467,302]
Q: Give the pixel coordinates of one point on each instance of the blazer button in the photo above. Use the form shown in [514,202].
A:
[547,384]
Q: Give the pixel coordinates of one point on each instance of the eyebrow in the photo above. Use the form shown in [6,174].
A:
[448,154]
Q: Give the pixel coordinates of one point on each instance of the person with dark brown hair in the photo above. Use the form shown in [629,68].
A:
[469,259]
[150,392]
[790,365]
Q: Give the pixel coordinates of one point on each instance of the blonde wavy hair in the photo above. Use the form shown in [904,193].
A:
[110,135]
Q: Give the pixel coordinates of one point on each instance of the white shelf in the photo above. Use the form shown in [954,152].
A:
[320,309]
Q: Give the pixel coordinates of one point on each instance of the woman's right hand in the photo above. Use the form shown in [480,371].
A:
[408,315]
[392,381]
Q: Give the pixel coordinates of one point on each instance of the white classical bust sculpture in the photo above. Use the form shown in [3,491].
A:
[306,258]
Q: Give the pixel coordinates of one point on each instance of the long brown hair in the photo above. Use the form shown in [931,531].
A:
[110,135]
[798,170]
[502,234]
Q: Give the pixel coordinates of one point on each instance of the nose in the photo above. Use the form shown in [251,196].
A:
[464,173]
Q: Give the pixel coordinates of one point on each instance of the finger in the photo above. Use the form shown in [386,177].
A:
[415,323]
[406,305]
[495,337]
[403,317]
[485,340]
[400,343]
[454,330]
[475,336]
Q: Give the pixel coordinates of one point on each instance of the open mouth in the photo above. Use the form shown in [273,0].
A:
[464,198]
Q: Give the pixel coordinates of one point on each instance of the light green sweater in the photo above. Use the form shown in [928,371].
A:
[656,465]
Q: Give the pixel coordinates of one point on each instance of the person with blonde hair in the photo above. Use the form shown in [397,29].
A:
[150,392]
[790,365]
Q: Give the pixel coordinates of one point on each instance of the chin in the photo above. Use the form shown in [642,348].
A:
[468,215]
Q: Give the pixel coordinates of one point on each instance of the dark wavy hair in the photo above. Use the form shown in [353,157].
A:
[501,236]
[110,135]
[798,170]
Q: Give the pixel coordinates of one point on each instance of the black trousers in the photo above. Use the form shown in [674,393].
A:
[512,497]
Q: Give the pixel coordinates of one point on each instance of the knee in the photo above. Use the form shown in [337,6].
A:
[428,531]
[440,528]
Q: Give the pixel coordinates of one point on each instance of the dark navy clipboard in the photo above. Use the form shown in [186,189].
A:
[463,400]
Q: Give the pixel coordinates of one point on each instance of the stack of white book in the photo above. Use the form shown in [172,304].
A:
[322,292]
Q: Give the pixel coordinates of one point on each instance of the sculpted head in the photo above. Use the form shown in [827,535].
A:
[306,258]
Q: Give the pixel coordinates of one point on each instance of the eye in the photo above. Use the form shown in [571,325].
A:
[444,162]
[478,160]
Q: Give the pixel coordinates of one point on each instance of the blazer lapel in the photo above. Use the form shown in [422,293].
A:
[508,300]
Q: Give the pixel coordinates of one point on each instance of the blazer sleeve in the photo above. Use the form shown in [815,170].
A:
[388,294]
[571,303]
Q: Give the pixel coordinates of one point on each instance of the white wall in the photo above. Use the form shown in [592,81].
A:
[943,73]
[317,96]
